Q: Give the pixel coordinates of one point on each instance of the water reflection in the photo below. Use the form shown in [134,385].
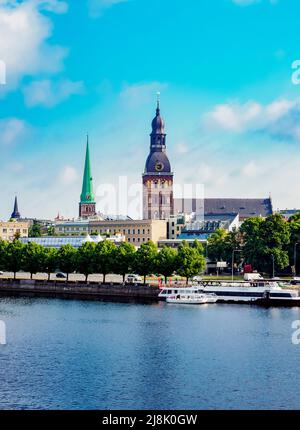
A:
[87,355]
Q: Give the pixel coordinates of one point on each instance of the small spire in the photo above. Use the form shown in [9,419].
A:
[158,103]
[16,213]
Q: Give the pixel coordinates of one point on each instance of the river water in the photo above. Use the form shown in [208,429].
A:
[93,355]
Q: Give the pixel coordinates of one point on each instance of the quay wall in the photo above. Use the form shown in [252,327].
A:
[78,290]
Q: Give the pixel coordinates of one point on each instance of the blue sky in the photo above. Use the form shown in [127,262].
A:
[223,68]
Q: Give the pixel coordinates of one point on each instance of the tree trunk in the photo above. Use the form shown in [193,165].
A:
[31,274]
[124,274]
[15,275]
[144,279]
[86,277]
[49,274]
[67,277]
[104,277]
[166,280]
[187,281]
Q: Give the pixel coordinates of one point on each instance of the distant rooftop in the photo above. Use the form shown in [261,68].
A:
[75,241]
[246,208]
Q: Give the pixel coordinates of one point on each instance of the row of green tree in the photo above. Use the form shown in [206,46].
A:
[104,258]
[263,243]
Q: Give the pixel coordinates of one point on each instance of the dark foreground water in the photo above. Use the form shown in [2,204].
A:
[88,355]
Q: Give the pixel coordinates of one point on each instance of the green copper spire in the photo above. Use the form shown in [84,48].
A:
[87,195]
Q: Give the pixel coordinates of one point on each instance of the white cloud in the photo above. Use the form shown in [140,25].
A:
[141,93]
[12,131]
[16,167]
[250,169]
[234,117]
[49,94]
[279,119]
[68,175]
[24,34]
[97,7]
[181,148]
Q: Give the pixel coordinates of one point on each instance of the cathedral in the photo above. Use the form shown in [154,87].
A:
[158,200]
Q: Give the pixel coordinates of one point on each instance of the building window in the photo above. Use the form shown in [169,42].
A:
[128,231]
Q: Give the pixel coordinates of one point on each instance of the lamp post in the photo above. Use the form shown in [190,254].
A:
[232,262]
[273,276]
[295,257]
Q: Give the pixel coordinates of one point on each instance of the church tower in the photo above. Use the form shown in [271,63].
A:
[157,178]
[87,205]
[16,213]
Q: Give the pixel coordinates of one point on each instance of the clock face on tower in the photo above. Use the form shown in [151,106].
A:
[88,197]
[159,166]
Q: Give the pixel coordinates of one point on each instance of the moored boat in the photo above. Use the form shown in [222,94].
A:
[186,295]
[267,293]
[259,292]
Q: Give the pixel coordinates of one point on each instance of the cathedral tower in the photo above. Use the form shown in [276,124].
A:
[87,205]
[157,177]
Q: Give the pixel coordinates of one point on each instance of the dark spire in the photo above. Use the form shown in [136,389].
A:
[158,135]
[158,104]
[16,213]
[157,161]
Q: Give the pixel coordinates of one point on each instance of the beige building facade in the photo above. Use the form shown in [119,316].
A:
[135,231]
[11,229]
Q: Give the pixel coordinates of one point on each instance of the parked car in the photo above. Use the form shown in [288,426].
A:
[132,278]
[295,281]
[61,275]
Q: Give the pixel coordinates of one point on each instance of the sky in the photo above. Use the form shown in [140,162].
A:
[228,96]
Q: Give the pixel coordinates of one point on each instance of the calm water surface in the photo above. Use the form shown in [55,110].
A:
[91,355]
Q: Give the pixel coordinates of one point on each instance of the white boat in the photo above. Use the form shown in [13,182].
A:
[260,292]
[191,295]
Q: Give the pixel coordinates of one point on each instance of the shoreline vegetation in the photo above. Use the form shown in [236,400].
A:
[269,245]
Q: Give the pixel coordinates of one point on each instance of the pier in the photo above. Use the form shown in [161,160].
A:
[78,290]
